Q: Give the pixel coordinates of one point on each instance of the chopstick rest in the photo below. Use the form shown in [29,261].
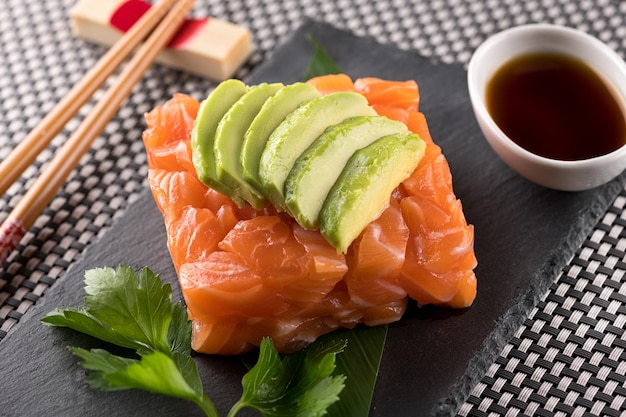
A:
[208,47]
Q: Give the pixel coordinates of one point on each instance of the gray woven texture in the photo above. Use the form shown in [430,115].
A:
[568,357]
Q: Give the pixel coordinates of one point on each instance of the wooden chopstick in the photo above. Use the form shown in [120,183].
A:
[37,139]
[47,184]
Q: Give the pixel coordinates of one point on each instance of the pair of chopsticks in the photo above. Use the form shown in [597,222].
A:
[155,28]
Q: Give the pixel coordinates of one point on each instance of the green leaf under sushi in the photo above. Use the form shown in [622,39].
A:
[360,363]
[321,63]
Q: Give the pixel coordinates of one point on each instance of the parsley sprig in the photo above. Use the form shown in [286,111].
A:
[135,311]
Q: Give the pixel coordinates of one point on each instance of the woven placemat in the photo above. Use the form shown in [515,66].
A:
[567,358]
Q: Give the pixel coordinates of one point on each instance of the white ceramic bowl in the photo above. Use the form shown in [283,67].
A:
[502,47]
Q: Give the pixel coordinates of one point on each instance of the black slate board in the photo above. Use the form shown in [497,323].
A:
[524,235]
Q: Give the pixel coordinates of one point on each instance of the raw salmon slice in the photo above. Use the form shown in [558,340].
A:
[332,83]
[246,273]
[399,94]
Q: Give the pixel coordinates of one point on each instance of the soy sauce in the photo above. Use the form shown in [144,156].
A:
[556,106]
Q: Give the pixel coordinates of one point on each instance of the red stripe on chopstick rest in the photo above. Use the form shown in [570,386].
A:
[11,232]
[130,11]
[187,32]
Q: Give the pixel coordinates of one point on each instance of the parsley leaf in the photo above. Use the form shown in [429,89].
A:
[299,385]
[132,311]
[179,334]
[135,311]
[135,306]
[155,372]
[82,321]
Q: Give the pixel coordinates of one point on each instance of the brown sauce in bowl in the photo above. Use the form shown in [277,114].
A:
[556,106]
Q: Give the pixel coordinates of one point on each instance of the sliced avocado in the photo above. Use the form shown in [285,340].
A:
[364,187]
[299,129]
[317,169]
[273,112]
[229,139]
[211,111]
